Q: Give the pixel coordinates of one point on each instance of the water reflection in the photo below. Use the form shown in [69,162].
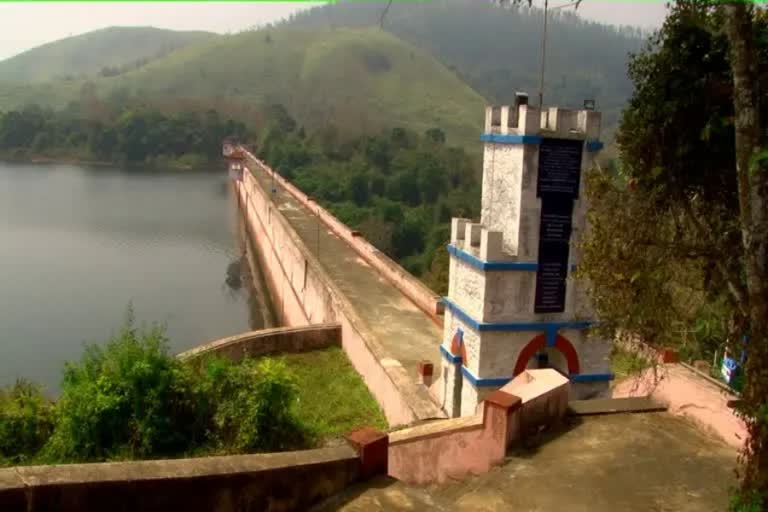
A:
[234,278]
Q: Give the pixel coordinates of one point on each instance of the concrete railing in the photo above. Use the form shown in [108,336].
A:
[281,340]
[265,482]
[410,286]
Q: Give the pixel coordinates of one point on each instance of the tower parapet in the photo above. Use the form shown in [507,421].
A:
[511,300]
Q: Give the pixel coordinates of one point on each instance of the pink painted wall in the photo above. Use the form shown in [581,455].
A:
[304,294]
[544,395]
[414,289]
[688,394]
[453,449]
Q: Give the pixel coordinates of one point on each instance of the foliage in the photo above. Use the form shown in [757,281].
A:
[131,399]
[97,130]
[398,188]
[128,398]
[627,362]
[255,406]
[670,224]
[665,220]
[26,422]
[746,502]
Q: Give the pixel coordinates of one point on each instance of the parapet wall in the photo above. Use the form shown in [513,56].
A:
[265,482]
[280,340]
[304,294]
[470,445]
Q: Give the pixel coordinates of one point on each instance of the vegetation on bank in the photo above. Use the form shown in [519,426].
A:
[92,130]
[399,188]
[676,251]
[131,399]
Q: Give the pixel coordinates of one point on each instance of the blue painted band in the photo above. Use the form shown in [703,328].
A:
[594,145]
[491,265]
[521,266]
[484,383]
[510,139]
[591,377]
[450,357]
[512,326]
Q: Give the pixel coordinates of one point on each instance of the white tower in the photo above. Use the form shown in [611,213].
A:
[511,302]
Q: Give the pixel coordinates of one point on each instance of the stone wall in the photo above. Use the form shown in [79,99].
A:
[280,340]
[265,482]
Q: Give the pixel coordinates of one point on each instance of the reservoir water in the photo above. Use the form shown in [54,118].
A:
[79,244]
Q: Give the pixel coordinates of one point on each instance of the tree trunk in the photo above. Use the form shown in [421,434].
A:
[753,205]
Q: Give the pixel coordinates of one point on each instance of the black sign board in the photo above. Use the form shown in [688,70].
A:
[558,187]
[559,167]
[554,238]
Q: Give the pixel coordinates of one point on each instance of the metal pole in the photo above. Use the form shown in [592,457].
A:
[543,55]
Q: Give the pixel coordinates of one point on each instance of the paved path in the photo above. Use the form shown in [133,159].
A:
[623,462]
[406,333]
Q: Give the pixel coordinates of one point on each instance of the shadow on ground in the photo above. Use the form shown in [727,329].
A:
[628,462]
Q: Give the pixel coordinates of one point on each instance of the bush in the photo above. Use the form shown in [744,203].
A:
[129,398]
[254,406]
[26,422]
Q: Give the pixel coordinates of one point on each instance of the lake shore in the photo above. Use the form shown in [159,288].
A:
[176,163]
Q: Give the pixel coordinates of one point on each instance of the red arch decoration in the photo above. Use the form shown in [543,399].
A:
[458,348]
[561,343]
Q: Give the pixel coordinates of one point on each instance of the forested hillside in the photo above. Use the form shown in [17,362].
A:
[398,187]
[497,50]
[358,80]
[108,133]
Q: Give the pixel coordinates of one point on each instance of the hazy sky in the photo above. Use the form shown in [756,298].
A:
[26,25]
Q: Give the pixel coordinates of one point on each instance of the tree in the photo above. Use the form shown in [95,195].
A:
[682,224]
[435,135]
[752,174]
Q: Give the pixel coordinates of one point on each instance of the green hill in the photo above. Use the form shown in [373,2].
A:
[496,51]
[360,80]
[115,48]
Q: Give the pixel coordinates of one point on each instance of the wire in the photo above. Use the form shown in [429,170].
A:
[384,14]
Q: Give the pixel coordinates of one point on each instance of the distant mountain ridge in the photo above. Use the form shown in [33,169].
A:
[497,51]
[358,80]
[86,55]
[435,64]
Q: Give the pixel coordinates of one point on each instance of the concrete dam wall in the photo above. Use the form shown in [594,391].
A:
[389,320]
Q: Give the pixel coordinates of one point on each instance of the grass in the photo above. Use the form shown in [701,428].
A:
[333,398]
[626,363]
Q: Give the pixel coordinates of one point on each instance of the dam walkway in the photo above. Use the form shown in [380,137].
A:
[402,331]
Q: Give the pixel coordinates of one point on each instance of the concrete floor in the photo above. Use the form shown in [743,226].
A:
[623,462]
[403,330]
